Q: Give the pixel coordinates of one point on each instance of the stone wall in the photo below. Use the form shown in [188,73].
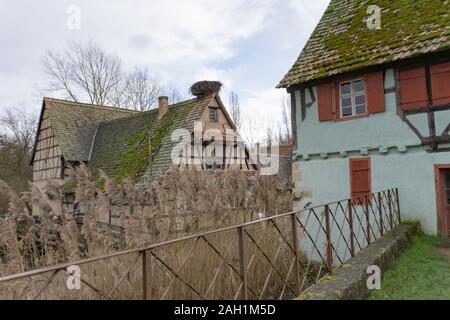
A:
[350,281]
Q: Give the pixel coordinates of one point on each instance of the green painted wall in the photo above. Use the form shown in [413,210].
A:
[397,158]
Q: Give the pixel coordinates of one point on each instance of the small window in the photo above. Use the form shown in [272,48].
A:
[212,115]
[353,98]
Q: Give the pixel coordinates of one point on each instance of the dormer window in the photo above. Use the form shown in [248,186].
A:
[352,98]
[213,115]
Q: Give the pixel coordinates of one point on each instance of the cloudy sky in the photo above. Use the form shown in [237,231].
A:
[247,44]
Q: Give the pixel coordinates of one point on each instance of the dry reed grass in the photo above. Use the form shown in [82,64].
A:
[40,231]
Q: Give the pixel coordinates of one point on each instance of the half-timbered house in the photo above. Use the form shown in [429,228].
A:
[125,143]
[371,107]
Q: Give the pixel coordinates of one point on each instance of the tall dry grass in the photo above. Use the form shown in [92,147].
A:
[40,231]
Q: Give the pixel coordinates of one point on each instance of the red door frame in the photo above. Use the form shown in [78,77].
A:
[441,214]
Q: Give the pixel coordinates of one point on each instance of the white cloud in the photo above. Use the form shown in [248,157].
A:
[171,37]
[262,109]
[244,44]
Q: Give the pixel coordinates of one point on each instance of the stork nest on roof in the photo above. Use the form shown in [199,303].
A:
[203,88]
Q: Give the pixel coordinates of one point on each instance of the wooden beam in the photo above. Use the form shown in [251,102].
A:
[430,114]
[437,108]
[436,140]
[294,119]
[51,147]
[303,103]
[438,150]
[412,127]
[46,159]
[446,130]
[47,169]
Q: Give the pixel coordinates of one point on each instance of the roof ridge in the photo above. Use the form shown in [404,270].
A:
[143,113]
[181,102]
[140,114]
[91,105]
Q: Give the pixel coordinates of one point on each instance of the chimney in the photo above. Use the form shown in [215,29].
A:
[163,106]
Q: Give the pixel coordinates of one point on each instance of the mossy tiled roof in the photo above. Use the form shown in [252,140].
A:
[342,42]
[75,124]
[113,138]
[121,147]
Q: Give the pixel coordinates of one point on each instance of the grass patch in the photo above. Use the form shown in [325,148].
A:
[421,273]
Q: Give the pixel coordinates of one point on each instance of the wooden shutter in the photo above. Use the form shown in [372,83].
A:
[325,102]
[413,89]
[360,178]
[375,92]
[440,83]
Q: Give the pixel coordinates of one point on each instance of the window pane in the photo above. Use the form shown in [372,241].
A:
[360,100]
[345,88]
[346,112]
[361,109]
[447,197]
[346,102]
[358,86]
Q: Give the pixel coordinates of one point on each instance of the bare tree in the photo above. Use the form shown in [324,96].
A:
[85,71]
[269,134]
[251,127]
[19,127]
[235,110]
[17,132]
[174,95]
[285,134]
[272,138]
[141,91]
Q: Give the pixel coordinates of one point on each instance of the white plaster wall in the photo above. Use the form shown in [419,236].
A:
[378,130]
[412,173]
[398,160]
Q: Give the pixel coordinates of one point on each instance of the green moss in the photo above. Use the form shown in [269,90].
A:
[399,24]
[134,161]
[347,44]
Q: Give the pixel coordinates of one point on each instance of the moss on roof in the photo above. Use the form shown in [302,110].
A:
[342,42]
[115,138]
[75,124]
[121,147]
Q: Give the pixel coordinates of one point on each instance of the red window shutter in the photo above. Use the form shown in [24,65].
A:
[440,83]
[413,89]
[375,92]
[360,179]
[325,102]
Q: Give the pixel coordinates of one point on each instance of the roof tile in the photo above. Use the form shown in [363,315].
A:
[342,42]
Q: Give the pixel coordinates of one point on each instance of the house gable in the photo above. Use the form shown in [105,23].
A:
[118,141]
[75,123]
[122,147]
[47,161]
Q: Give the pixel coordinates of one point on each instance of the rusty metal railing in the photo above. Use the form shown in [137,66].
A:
[277,257]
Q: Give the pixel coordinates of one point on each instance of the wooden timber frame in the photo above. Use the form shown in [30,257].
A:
[433,140]
[238,152]
[47,161]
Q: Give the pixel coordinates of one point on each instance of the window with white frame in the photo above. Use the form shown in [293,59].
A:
[352,98]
